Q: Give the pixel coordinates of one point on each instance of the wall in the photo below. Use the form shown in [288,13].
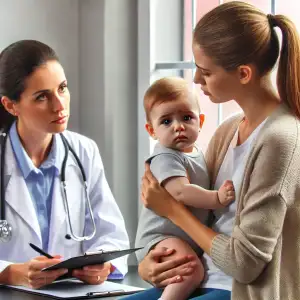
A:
[53,22]
[108,110]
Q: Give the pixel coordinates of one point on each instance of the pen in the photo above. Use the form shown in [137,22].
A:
[106,293]
[40,251]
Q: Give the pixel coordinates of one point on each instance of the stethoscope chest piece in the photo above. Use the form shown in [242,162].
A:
[5,231]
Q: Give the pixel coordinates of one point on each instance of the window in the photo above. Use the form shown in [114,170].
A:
[168,36]
[192,11]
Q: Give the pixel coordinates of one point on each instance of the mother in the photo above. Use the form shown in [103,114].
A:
[257,240]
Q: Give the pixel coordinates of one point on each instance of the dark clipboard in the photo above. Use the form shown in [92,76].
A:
[96,258]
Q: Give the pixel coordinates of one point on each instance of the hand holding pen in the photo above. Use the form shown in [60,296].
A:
[95,274]
[29,274]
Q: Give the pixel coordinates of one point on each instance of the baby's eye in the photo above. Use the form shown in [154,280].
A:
[187,118]
[166,121]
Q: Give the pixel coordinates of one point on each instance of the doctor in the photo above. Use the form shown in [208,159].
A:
[35,106]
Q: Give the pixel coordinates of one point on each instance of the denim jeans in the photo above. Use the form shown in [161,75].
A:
[199,294]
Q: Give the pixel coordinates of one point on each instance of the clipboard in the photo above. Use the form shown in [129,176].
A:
[74,289]
[89,259]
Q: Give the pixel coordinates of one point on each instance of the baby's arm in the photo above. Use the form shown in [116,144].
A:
[196,196]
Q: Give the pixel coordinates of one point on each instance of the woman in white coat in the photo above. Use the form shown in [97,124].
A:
[34,109]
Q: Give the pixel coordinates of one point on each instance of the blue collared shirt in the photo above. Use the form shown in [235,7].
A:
[39,181]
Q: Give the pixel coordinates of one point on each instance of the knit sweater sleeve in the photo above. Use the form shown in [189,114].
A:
[261,210]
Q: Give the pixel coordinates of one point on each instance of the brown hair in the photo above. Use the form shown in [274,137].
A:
[237,33]
[17,62]
[167,89]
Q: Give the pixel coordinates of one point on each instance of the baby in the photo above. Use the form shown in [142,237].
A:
[174,120]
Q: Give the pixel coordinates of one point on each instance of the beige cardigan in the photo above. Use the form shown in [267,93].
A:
[263,252]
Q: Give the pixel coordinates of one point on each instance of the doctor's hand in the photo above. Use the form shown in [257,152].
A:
[161,274]
[95,274]
[29,274]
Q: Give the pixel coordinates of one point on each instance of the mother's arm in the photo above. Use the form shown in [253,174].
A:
[152,195]
[245,253]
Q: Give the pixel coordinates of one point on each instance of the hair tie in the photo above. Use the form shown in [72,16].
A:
[271,20]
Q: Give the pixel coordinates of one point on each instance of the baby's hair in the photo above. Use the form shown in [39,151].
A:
[167,89]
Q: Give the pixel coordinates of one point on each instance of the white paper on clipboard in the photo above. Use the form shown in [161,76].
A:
[75,289]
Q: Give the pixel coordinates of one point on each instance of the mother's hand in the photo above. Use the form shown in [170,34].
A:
[161,274]
[154,196]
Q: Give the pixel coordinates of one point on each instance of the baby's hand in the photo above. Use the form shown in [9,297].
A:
[226,193]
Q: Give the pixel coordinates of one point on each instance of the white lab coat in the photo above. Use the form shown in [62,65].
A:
[21,214]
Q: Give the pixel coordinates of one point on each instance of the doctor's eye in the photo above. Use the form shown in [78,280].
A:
[41,97]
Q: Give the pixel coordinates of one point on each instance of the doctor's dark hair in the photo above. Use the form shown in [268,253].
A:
[236,33]
[17,62]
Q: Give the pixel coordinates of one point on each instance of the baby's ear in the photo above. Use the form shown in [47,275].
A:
[202,119]
[150,130]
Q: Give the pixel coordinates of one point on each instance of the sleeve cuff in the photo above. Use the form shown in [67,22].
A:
[219,247]
[4,264]
[121,268]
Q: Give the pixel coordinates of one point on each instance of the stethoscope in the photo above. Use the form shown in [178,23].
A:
[6,229]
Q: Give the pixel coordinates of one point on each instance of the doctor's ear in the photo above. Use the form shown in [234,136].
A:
[150,130]
[9,105]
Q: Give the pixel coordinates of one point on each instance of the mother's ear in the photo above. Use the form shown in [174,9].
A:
[245,73]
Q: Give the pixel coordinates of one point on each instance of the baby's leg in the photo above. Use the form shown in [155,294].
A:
[181,290]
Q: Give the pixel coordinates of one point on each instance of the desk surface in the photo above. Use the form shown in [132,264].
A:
[132,278]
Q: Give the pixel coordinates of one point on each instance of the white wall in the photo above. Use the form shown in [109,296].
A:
[53,22]
[108,94]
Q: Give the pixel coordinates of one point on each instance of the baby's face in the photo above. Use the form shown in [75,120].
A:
[176,123]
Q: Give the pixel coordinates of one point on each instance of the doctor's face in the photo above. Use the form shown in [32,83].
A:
[44,105]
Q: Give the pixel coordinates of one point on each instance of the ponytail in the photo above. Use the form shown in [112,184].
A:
[288,75]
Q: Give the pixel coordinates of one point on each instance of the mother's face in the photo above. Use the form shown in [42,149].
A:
[44,106]
[217,83]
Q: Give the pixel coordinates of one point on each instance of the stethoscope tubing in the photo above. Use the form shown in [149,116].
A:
[67,148]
